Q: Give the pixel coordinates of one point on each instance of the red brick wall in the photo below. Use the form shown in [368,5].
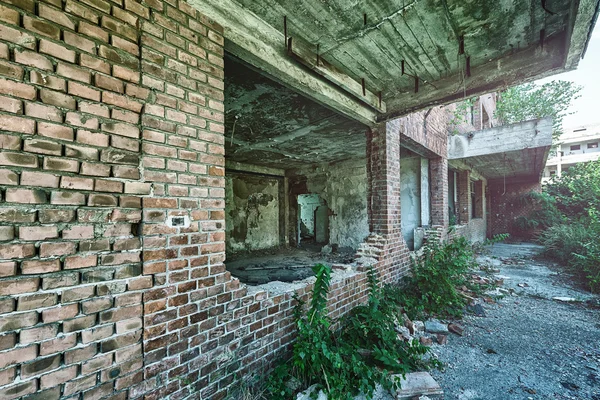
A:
[506,206]
[102,104]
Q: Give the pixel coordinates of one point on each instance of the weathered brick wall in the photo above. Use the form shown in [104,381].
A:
[507,205]
[102,104]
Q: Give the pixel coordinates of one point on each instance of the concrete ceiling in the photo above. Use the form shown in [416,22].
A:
[270,125]
[339,43]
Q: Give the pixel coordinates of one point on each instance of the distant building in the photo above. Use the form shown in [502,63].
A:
[577,145]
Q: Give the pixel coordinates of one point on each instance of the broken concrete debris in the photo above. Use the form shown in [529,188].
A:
[418,384]
[456,329]
[435,326]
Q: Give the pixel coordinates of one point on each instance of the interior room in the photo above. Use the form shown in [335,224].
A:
[296,180]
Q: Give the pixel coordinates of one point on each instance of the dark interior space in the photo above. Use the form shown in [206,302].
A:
[277,228]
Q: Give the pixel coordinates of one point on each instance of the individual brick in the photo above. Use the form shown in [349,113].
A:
[40,266]
[19,355]
[41,27]
[10,142]
[42,147]
[55,131]
[8,268]
[55,15]
[11,105]
[60,313]
[57,249]
[76,183]
[77,89]
[12,35]
[12,287]
[41,179]
[11,70]
[72,72]
[26,196]
[81,152]
[42,111]
[76,262]
[8,177]
[102,200]
[52,216]
[60,164]
[56,50]
[67,198]
[48,81]
[13,123]
[13,322]
[92,138]
[78,232]
[38,232]
[93,169]
[57,99]
[36,301]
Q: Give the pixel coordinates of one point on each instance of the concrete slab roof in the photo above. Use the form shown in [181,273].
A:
[373,60]
[515,152]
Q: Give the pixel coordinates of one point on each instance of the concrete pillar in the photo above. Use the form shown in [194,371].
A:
[464,197]
[439,191]
[425,197]
[383,170]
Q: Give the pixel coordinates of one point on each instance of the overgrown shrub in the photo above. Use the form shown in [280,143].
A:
[571,218]
[436,276]
[350,360]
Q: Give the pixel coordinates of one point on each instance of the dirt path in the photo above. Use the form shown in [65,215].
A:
[528,346]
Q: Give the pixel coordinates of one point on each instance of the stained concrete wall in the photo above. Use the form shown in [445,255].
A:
[252,209]
[410,198]
[343,186]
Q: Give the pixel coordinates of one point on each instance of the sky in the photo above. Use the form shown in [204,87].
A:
[587,107]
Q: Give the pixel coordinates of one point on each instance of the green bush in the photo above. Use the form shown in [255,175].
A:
[432,287]
[571,217]
[351,360]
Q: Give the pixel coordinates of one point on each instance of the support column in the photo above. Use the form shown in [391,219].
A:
[425,193]
[439,192]
[464,196]
[383,171]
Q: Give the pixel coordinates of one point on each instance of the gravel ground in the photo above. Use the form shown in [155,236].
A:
[528,346]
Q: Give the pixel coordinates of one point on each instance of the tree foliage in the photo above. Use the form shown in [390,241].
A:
[574,239]
[531,101]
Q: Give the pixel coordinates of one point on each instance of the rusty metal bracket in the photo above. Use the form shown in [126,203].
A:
[461,45]
[289,46]
[402,67]
[364,89]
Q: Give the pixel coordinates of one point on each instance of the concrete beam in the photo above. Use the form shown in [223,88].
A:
[255,169]
[262,46]
[584,18]
[514,67]
[524,135]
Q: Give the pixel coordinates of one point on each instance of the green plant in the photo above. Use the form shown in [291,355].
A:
[350,360]
[571,218]
[531,101]
[500,237]
[461,114]
[436,276]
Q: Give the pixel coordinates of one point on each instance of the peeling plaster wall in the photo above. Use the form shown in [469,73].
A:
[343,186]
[252,212]
[410,198]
